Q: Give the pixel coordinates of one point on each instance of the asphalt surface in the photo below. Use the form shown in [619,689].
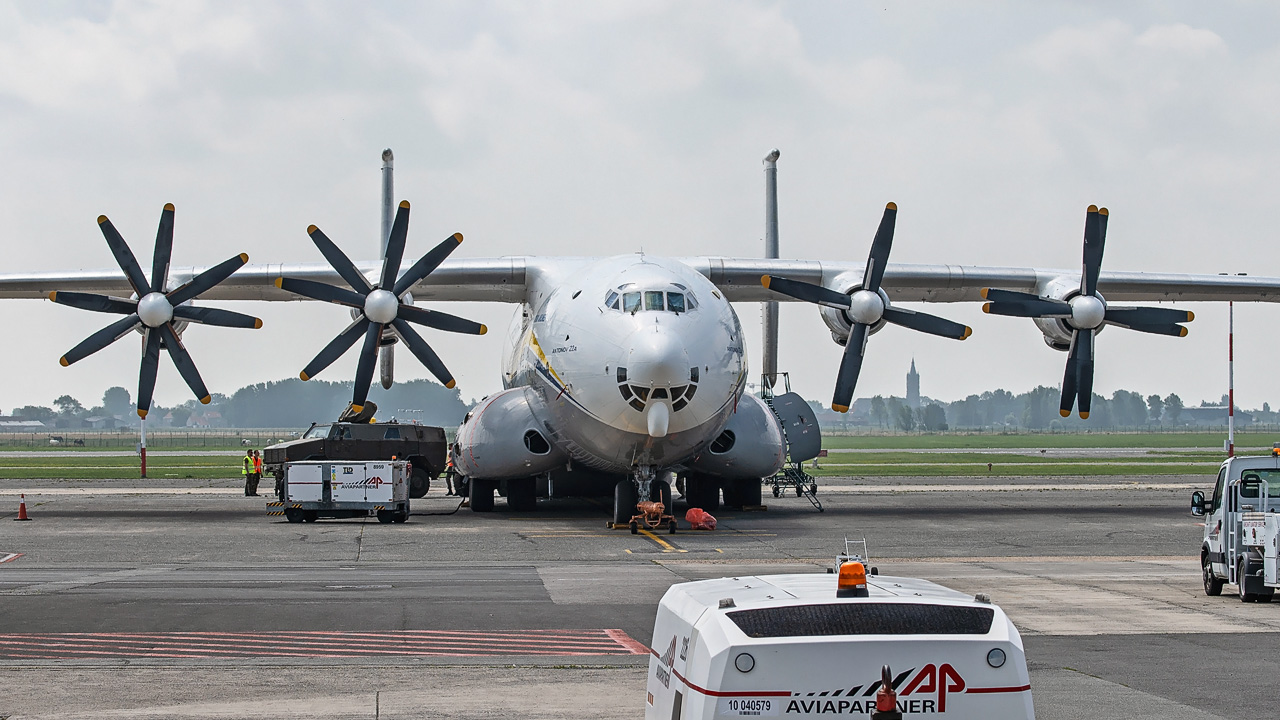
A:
[1099,575]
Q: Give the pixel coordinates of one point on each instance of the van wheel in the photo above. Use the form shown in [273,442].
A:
[1243,582]
[385,517]
[293,515]
[1212,585]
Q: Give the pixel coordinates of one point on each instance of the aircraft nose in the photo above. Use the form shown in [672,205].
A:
[657,359]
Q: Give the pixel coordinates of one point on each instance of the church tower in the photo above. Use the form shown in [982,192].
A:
[913,386]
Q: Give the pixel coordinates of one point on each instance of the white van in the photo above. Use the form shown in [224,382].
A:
[786,646]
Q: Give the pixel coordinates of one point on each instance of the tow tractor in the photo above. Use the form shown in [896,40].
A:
[821,645]
[1242,527]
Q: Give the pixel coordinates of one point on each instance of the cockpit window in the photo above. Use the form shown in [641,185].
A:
[631,302]
[675,302]
[611,300]
[653,300]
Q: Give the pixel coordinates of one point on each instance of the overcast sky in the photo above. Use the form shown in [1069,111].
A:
[601,128]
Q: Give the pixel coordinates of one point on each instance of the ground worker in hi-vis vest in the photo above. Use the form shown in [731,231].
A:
[247,471]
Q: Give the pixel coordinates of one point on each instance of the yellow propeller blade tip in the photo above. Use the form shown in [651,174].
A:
[305,377]
[484,329]
[1093,209]
[356,408]
[1102,211]
[142,414]
[451,383]
[404,204]
[311,229]
[169,207]
[983,293]
[257,323]
[1084,415]
[840,408]
[457,237]
[986,307]
[244,257]
[764,280]
[891,206]
[279,282]
[63,361]
[1190,316]
[1064,413]
[206,399]
[102,219]
[1183,333]
[54,296]
[967,332]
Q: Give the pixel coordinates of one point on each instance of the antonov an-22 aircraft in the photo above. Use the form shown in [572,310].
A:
[620,372]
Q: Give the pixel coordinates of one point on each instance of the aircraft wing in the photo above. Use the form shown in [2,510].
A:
[468,279]
[739,279]
[504,279]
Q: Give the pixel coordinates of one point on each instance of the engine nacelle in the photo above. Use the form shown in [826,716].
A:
[750,446]
[1056,331]
[501,439]
[838,321]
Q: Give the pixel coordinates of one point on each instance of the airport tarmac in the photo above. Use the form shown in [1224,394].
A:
[182,599]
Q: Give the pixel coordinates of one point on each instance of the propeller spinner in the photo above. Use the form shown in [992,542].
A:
[380,306]
[155,310]
[864,308]
[1085,314]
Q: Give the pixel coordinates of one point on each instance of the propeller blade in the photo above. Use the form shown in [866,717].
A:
[926,323]
[147,373]
[1071,378]
[1157,329]
[850,367]
[806,291]
[423,352]
[96,303]
[1147,316]
[214,316]
[207,279]
[441,321]
[321,291]
[880,247]
[182,359]
[364,371]
[1018,304]
[339,260]
[395,247]
[334,349]
[100,339]
[163,251]
[1095,236]
[124,257]
[1084,338]
[427,263]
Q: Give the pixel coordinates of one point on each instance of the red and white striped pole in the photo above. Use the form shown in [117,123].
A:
[1231,378]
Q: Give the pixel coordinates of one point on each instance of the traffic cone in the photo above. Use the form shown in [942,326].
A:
[22,508]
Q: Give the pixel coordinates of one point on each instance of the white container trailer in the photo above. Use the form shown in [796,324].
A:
[786,646]
[335,489]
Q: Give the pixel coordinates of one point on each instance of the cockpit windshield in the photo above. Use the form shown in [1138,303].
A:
[629,300]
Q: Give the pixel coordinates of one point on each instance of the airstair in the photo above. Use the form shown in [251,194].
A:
[802,437]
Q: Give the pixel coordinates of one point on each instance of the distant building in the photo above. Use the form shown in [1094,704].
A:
[913,386]
[20,424]
[1212,415]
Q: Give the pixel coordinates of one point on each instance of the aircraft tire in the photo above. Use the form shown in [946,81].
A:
[481,493]
[624,502]
[702,492]
[660,491]
[745,492]
[522,495]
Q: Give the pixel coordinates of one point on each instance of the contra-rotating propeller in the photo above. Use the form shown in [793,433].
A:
[380,306]
[155,309]
[1084,314]
[864,309]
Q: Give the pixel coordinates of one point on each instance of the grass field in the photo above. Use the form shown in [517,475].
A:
[119,468]
[1244,441]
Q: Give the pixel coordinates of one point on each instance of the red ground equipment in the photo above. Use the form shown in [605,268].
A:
[653,516]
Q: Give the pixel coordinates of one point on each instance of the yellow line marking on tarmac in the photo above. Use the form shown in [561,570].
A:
[666,546]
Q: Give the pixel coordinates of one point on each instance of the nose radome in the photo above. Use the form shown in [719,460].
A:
[657,358]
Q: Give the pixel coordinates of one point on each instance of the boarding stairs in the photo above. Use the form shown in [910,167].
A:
[796,420]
